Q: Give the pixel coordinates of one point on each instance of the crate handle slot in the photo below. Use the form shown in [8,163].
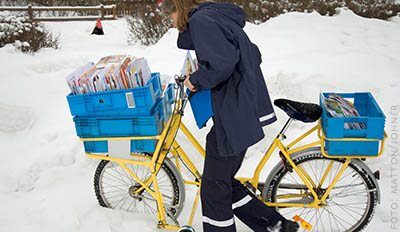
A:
[130,100]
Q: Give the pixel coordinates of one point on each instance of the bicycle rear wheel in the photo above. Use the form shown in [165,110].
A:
[349,206]
[115,188]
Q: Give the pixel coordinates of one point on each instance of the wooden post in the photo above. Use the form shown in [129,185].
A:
[114,11]
[30,13]
[102,11]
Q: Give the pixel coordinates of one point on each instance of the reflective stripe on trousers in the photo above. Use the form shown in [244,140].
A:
[242,202]
[231,221]
[216,223]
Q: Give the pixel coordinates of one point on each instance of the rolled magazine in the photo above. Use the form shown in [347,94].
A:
[339,107]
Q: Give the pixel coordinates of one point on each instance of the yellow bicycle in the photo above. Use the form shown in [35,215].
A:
[321,192]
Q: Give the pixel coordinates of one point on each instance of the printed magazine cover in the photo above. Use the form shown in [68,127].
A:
[110,73]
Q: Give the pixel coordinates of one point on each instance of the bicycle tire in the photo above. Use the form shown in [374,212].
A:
[358,207]
[121,195]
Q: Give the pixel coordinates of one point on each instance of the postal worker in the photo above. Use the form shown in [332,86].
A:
[228,65]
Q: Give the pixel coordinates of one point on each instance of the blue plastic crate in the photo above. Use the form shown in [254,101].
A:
[148,145]
[165,108]
[95,127]
[124,102]
[170,94]
[334,128]
[164,104]
[167,100]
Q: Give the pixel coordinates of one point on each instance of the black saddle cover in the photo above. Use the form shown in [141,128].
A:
[305,112]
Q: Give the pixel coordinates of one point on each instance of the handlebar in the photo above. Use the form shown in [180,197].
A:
[179,81]
[180,78]
[181,87]
[181,93]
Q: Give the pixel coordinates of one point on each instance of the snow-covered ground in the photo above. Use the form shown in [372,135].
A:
[46,182]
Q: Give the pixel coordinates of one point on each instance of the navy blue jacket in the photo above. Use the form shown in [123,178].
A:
[229,65]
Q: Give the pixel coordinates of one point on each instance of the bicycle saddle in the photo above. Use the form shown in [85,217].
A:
[305,112]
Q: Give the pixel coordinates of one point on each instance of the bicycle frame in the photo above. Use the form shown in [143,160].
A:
[167,143]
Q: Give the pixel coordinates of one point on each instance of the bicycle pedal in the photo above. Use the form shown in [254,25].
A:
[303,223]
[250,188]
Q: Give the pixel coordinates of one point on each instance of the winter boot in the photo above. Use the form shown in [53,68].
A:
[285,226]
[289,226]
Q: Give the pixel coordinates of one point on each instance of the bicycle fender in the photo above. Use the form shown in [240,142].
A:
[371,175]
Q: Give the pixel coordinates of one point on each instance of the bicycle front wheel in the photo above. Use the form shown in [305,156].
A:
[115,188]
[349,206]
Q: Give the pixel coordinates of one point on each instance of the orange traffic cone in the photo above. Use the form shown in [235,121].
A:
[98,29]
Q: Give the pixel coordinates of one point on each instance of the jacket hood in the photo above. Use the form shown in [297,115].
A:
[231,11]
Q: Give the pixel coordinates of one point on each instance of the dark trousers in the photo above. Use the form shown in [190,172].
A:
[222,196]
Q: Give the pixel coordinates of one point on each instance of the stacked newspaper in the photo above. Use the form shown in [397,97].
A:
[339,107]
[109,73]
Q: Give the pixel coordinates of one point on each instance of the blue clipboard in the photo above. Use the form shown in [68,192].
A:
[201,106]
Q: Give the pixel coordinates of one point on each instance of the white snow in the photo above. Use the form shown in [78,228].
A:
[46,181]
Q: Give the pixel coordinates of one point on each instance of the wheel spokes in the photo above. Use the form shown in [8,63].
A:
[121,191]
[346,205]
